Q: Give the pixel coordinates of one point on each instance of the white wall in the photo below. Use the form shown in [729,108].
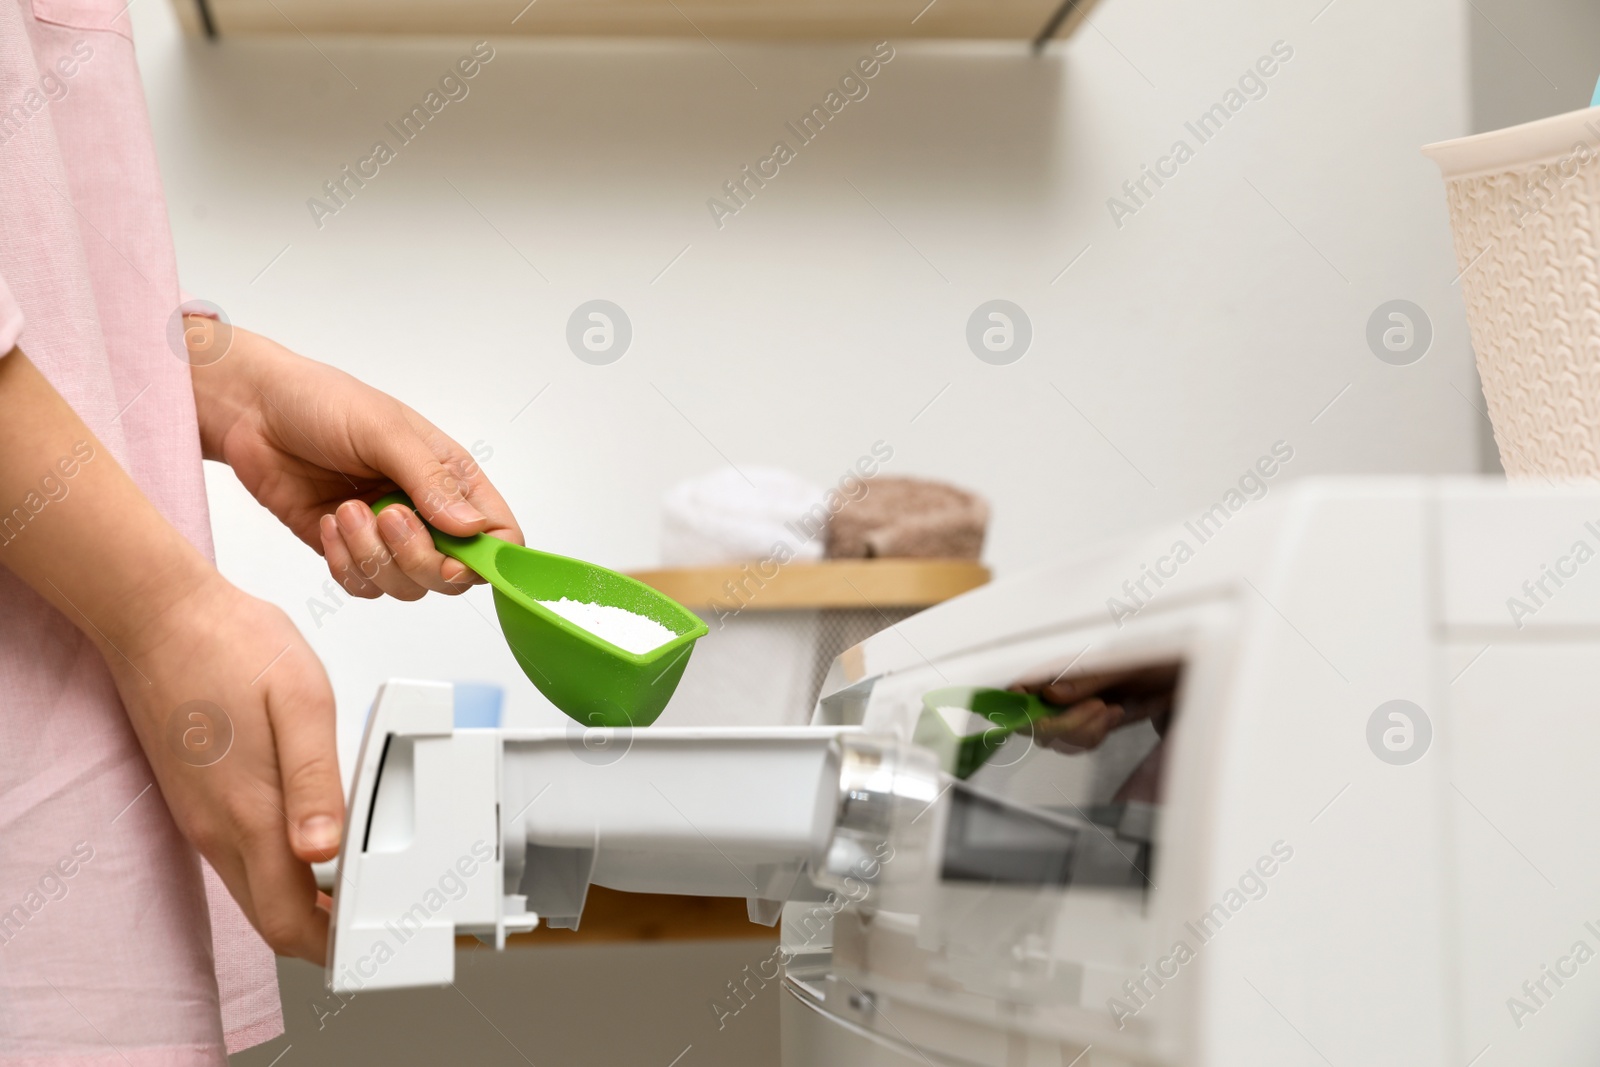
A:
[1219,319]
[1531,58]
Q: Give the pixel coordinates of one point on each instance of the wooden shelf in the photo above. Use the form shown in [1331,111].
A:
[612,915]
[842,583]
[759,19]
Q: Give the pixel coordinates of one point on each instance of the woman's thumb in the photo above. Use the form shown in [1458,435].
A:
[436,494]
[308,767]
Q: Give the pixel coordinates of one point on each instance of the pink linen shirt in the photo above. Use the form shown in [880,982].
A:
[118,945]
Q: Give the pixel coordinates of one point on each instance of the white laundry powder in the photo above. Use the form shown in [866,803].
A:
[629,632]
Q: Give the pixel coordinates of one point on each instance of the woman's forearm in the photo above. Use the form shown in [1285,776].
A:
[75,527]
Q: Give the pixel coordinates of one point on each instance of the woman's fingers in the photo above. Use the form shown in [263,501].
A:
[374,559]
[391,552]
[285,896]
[1067,691]
[1082,726]
[341,564]
[415,554]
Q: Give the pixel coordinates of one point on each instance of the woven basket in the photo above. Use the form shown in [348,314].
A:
[1525,211]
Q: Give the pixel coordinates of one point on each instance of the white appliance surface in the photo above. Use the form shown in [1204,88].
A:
[1368,845]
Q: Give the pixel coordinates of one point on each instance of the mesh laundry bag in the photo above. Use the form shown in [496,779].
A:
[765,668]
[1525,211]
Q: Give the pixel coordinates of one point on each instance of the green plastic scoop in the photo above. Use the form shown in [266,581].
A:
[960,754]
[584,675]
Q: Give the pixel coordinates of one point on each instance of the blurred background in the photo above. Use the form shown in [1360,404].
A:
[1171,345]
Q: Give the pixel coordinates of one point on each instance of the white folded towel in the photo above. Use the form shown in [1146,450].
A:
[730,517]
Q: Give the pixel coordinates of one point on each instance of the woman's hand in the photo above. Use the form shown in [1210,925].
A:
[315,446]
[1081,726]
[1093,705]
[236,717]
[231,707]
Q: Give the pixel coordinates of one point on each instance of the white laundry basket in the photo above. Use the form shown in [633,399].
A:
[764,663]
[1525,210]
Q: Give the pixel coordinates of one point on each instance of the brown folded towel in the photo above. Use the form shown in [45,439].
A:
[909,517]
